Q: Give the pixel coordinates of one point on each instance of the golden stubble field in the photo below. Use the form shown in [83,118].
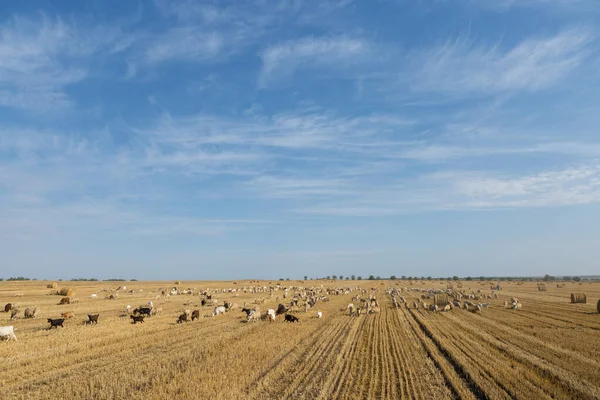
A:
[548,349]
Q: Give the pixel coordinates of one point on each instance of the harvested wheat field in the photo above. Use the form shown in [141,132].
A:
[547,348]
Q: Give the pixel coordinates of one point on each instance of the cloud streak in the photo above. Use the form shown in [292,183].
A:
[463,67]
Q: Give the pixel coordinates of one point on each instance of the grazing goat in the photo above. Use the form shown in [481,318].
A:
[350,309]
[195,314]
[55,323]
[68,315]
[147,311]
[29,313]
[218,310]
[291,318]
[253,316]
[93,318]
[7,332]
[8,307]
[281,309]
[182,318]
[136,318]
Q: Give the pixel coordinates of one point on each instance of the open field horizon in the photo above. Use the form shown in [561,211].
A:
[546,349]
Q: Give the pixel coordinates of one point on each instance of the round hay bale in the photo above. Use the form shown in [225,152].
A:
[578,298]
[52,285]
[178,282]
[67,292]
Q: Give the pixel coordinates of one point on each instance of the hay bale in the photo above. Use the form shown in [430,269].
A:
[450,286]
[598,306]
[178,282]
[52,285]
[67,292]
[459,285]
[542,287]
[578,298]
[440,300]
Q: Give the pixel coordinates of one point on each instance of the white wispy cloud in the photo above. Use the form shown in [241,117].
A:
[41,57]
[280,61]
[462,66]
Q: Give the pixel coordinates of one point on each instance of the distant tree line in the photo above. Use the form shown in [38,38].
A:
[20,278]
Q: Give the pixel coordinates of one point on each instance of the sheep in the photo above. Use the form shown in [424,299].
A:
[271,314]
[128,309]
[157,311]
[319,314]
[14,313]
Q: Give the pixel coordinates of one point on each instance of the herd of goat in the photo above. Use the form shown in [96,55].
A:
[366,302]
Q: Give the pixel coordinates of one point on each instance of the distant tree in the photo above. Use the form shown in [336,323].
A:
[410,278]
[455,278]
[428,278]
[334,277]
[305,277]
[548,278]
[287,279]
[468,278]
[403,277]
[371,278]
[576,278]
[378,277]
[328,276]
[353,277]
[1,279]
[347,278]
[341,277]
[280,279]
[18,278]
[133,280]
[359,278]
[393,277]
[566,278]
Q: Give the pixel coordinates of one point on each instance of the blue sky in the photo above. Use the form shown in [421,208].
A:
[242,139]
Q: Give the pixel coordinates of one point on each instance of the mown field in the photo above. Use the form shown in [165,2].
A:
[548,349]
